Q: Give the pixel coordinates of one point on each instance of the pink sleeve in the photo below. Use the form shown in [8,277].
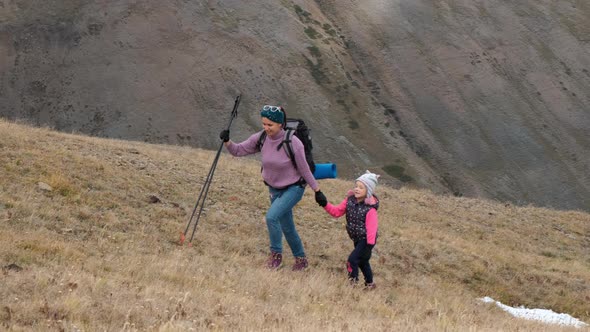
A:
[336,211]
[244,148]
[371,224]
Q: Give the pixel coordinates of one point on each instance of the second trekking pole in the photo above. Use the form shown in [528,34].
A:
[205,189]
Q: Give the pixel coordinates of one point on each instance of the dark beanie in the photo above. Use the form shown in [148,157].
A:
[273,113]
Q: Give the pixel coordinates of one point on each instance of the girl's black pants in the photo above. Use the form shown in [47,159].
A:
[359,259]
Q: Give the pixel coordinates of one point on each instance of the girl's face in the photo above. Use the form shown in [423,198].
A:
[360,191]
[270,127]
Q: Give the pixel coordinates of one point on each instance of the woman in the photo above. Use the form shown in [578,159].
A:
[286,183]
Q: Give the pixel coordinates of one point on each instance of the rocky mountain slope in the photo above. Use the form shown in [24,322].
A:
[475,98]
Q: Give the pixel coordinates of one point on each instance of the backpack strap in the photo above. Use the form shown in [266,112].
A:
[286,143]
[259,144]
[261,140]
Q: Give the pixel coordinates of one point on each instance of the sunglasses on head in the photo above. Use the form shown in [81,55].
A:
[271,108]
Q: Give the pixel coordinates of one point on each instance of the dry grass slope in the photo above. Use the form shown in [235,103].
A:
[94,253]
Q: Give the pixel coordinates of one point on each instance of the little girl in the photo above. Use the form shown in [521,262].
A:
[360,207]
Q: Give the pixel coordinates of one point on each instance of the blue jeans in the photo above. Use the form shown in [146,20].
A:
[279,219]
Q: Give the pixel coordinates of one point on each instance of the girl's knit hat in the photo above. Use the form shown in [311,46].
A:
[370,181]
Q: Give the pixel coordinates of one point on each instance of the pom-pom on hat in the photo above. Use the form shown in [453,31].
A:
[370,181]
[273,113]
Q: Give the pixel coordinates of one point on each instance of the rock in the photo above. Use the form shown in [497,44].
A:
[13,267]
[44,186]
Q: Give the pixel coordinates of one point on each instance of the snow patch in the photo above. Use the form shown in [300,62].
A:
[543,315]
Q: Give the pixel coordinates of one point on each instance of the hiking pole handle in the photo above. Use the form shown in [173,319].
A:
[234,112]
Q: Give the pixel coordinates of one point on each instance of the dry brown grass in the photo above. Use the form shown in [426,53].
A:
[96,254]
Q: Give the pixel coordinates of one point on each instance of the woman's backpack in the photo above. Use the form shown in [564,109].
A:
[298,128]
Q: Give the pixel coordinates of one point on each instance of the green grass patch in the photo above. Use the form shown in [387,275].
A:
[329,30]
[398,172]
[304,16]
[317,71]
[311,33]
[353,125]
[314,51]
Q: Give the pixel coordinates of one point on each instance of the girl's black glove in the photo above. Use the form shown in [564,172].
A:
[321,199]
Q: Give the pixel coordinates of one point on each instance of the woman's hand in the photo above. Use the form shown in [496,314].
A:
[320,198]
[224,135]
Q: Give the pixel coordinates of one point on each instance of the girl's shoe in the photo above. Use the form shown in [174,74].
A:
[300,264]
[274,260]
[370,286]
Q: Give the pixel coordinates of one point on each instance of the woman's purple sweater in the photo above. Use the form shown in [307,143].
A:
[277,169]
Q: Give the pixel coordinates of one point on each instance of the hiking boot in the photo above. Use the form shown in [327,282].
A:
[370,286]
[300,264]
[274,260]
[353,282]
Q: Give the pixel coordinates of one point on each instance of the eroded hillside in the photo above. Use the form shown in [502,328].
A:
[483,98]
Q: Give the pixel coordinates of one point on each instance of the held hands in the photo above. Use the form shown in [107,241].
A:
[320,198]
[224,135]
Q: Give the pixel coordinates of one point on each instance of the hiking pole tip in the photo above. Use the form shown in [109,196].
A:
[182,238]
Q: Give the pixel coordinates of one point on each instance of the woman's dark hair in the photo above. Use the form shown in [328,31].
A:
[284,124]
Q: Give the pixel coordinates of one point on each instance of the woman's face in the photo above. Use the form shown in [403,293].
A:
[270,127]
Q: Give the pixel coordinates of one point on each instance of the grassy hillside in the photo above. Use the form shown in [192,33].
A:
[94,252]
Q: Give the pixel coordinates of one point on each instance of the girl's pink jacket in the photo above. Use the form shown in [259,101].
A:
[371,222]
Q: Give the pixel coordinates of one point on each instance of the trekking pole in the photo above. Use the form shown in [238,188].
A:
[205,189]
